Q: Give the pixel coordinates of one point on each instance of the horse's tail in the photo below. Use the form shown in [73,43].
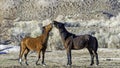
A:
[96,43]
[20,48]
[20,58]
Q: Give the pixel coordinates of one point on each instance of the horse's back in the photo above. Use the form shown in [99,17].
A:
[30,43]
[23,41]
[81,38]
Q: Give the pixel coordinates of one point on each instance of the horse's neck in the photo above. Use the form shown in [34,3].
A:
[45,36]
[64,33]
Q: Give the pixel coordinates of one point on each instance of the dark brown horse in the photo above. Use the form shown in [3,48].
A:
[36,44]
[72,41]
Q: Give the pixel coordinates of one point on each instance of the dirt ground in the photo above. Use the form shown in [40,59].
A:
[108,58]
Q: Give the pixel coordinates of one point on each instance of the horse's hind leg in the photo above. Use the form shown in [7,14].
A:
[25,55]
[97,61]
[69,57]
[22,49]
[92,56]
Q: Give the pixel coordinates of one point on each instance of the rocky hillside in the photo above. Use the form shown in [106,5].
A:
[46,9]
[20,18]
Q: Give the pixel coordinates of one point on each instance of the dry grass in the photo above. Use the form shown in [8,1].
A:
[109,58]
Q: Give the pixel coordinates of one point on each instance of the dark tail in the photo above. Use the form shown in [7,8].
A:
[96,43]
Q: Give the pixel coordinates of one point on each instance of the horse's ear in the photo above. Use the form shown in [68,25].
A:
[54,21]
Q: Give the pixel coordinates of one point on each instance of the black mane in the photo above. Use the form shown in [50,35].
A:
[65,34]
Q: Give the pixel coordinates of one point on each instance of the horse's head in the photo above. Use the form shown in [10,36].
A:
[58,24]
[47,27]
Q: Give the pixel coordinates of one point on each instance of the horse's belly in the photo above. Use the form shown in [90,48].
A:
[78,47]
[31,47]
[34,47]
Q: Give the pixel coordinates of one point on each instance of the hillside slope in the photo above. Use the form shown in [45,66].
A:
[20,18]
[46,9]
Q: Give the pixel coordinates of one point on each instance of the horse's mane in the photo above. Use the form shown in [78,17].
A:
[65,34]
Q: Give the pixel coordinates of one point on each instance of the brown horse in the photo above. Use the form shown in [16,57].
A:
[72,41]
[36,44]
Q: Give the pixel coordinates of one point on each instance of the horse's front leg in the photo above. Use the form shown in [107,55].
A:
[25,55]
[43,56]
[22,50]
[69,57]
[38,56]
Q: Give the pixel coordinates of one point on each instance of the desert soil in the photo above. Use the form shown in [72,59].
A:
[108,58]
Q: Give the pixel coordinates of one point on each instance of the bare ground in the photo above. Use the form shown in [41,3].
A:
[108,58]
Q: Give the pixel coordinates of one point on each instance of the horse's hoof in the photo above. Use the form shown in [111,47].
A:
[68,65]
[27,64]
[43,64]
[20,63]
[91,64]
[96,65]
[37,64]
